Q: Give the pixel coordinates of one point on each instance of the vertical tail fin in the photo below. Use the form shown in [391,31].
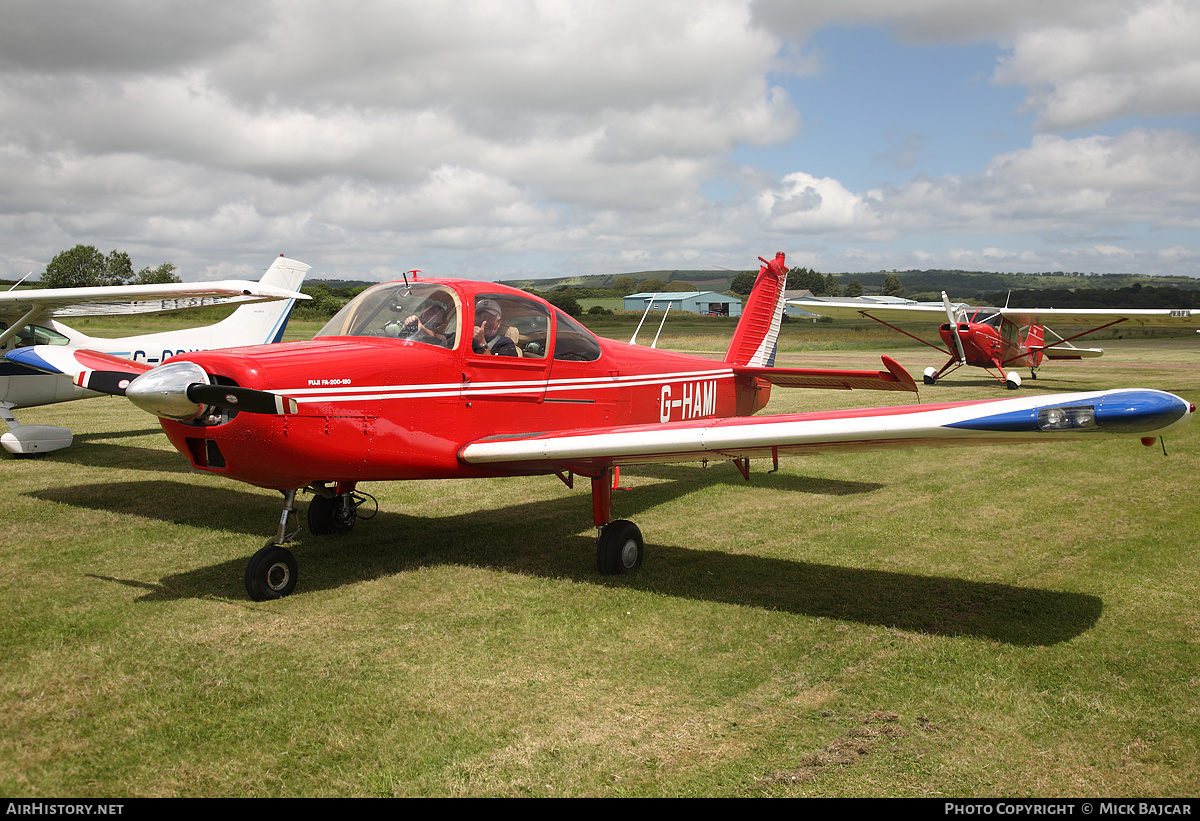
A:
[758,330]
[266,321]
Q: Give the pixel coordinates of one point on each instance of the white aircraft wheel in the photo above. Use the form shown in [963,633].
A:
[619,549]
[1012,381]
[330,516]
[930,376]
[271,573]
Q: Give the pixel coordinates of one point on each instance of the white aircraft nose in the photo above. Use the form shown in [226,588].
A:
[163,390]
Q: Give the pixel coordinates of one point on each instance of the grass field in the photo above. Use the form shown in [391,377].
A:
[1020,621]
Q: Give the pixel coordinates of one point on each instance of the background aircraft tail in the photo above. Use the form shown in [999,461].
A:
[758,330]
[265,321]
[255,324]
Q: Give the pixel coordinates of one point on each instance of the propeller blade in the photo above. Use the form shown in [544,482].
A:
[113,383]
[241,399]
[962,356]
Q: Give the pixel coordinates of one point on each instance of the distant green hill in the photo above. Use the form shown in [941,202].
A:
[703,280]
[965,285]
[960,285]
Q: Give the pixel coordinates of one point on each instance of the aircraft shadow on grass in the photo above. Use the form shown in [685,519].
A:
[542,538]
[95,450]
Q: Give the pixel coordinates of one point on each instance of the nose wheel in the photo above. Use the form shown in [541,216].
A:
[271,573]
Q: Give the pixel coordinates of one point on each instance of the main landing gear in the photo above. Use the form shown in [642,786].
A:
[619,547]
[272,572]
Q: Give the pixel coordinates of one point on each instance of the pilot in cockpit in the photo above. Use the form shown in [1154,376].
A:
[430,322]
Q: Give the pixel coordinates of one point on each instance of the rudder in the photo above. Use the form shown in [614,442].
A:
[757,332]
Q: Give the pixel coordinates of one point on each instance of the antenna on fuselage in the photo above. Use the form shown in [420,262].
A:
[407,286]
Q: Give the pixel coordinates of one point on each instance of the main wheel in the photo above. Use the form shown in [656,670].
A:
[619,549]
[930,376]
[1012,381]
[334,515]
[271,573]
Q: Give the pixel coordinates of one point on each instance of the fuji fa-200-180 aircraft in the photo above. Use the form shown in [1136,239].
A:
[998,338]
[443,378]
[27,318]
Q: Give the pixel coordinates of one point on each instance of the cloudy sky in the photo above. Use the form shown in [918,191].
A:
[524,138]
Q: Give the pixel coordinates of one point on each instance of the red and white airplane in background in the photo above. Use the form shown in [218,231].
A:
[998,338]
[408,381]
[29,318]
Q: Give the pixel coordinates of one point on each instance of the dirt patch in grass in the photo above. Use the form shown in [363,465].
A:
[846,750]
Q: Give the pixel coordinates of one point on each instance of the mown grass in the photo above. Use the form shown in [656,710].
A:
[995,621]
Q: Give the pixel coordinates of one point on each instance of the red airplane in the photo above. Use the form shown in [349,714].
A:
[444,378]
[997,338]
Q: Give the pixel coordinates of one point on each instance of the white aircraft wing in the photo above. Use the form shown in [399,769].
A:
[891,312]
[1178,317]
[138,299]
[1138,413]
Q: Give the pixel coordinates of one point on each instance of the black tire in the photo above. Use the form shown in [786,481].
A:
[930,380]
[271,573]
[327,516]
[619,549]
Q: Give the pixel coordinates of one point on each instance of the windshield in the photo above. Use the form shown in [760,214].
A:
[418,312]
[987,316]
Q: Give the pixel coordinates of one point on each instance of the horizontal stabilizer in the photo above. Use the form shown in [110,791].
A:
[1061,352]
[895,378]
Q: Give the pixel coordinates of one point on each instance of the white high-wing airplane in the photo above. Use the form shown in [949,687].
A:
[26,318]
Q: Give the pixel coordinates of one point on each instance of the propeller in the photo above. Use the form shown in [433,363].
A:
[183,390]
[962,356]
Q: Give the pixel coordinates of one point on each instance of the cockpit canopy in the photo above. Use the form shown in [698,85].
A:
[420,312]
[432,314]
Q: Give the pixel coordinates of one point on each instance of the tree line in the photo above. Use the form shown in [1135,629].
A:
[85,266]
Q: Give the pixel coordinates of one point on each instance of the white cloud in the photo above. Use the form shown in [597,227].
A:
[1141,61]
[367,136]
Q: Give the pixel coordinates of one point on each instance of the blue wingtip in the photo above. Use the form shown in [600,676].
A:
[1139,411]
[1124,411]
[30,359]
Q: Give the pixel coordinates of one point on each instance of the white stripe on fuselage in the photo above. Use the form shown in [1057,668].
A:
[353,393]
